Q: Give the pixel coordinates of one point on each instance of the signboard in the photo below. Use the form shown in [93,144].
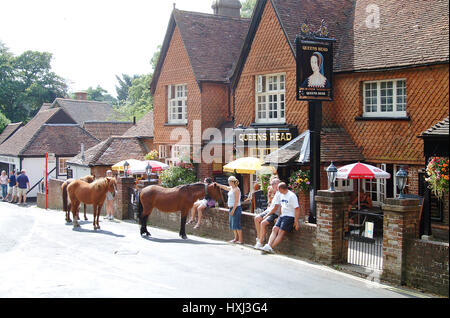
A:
[265,136]
[314,70]
[51,159]
[69,173]
[369,230]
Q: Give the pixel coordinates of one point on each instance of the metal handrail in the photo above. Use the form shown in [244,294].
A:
[39,182]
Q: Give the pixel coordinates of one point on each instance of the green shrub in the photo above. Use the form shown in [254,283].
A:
[178,175]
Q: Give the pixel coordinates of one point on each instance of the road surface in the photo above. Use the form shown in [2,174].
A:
[41,256]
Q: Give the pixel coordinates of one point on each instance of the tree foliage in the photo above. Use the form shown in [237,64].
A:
[26,82]
[247,8]
[3,122]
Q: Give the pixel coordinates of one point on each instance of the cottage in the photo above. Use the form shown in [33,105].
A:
[135,143]
[388,88]
[190,85]
[50,131]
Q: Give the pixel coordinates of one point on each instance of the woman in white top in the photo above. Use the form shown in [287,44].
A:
[234,204]
[4,183]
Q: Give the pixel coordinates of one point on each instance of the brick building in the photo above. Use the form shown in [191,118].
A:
[390,78]
[190,85]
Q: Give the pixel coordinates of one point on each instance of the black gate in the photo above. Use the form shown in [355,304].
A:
[133,204]
[364,233]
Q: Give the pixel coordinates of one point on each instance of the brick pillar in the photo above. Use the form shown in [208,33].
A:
[123,198]
[401,222]
[331,248]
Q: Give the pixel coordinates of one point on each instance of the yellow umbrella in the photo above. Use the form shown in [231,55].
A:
[246,165]
[119,166]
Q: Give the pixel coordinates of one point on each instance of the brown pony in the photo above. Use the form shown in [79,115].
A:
[174,200]
[67,207]
[93,193]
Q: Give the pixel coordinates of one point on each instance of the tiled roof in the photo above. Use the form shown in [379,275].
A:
[409,33]
[440,129]
[213,43]
[60,139]
[9,130]
[336,145]
[18,143]
[82,110]
[144,127]
[112,151]
[104,130]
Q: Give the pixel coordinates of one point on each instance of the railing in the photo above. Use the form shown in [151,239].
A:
[39,182]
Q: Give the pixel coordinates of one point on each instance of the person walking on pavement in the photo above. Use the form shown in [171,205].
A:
[23,184]
[12,195]
[4,184]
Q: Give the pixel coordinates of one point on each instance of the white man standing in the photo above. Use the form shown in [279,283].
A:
[23,185]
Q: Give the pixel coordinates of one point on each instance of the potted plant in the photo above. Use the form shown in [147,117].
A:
[152,155]
[179,174]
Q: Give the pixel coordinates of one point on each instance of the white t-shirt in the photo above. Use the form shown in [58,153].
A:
[288,202]
[275,201]
[4,179]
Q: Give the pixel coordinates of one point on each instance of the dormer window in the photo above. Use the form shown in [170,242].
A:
[270,98]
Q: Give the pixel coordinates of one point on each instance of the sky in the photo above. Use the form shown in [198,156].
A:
[91,41]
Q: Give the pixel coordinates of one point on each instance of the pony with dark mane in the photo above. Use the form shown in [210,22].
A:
[90,193]
[179,199]
[66,206]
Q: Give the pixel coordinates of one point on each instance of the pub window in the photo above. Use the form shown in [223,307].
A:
[270,98]
[385,98]
[177,106]
[162,151]
[62,166]
[261,152]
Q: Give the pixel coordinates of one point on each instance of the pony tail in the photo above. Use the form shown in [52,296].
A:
[64,196]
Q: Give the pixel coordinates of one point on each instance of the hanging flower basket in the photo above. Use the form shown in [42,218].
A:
[300,181]
[153,155]
[438,179]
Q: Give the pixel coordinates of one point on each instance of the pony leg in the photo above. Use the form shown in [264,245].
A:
[184,215]
[95,215]
[75,206]
[69,209]
[85,217]
[144,220]
[99,210]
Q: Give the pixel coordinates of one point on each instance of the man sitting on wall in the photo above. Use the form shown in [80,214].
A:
[288,220]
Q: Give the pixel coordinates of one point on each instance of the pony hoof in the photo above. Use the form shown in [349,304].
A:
[184,237]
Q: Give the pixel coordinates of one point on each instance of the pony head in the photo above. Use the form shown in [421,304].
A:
[215,192]
[111,185]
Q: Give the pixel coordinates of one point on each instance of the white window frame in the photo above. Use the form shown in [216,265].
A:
[344,185]
[395,113]
[62,160]
[376,186]
[260,152]
[173,104]
[162,151]
[177,153]
[266,94]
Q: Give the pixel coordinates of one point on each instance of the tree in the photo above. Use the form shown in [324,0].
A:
[247,8]
[124,85]
[26,82]
[3,122]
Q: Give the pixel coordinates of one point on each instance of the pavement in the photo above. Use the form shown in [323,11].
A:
[42,256]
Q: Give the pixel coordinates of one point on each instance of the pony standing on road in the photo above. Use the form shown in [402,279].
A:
[93,193]
[174,200]
[67,207]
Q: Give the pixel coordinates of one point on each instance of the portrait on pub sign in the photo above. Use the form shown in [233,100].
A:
[314,71]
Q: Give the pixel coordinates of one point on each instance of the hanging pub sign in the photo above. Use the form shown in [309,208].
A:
[314,65]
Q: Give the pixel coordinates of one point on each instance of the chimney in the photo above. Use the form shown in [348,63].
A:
[229,8]
[80,95]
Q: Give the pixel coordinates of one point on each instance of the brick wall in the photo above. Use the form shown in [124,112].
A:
[427,266]
[215,224]
[391,142]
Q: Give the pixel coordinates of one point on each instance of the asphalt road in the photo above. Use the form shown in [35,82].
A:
[41,256]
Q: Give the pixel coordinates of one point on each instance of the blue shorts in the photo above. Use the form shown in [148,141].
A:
[286,223]
[271,219]
[235,220]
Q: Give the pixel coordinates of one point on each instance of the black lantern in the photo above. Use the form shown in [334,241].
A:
[148,171]
[332,174]
[126,166]
[402,177]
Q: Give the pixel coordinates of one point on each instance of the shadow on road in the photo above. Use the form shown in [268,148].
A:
[180,241]
[81,230]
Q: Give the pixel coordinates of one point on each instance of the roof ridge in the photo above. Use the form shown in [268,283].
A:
[212,15]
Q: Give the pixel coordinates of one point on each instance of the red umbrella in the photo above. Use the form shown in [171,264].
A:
[358,171]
